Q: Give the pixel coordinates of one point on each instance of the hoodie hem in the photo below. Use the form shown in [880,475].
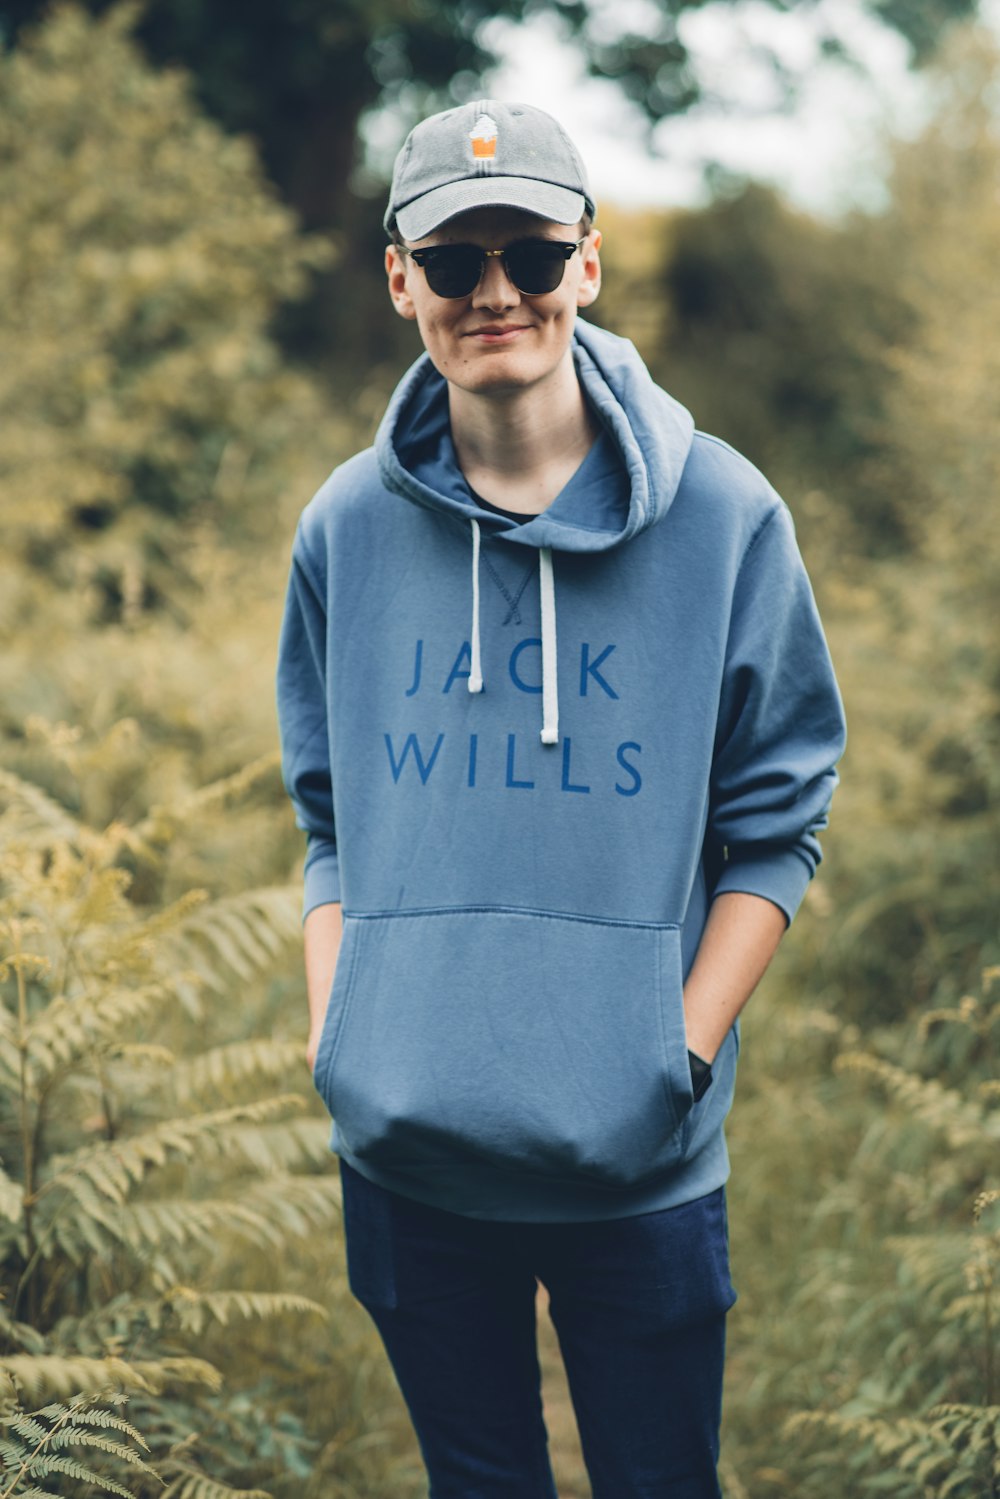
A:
[478,1190]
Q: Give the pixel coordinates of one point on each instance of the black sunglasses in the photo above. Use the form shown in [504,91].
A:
[535,266]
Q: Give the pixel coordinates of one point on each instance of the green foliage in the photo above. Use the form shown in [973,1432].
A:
[36,1445]
[916,635]
[299,78]
[869,1253]
[797,315]
[924,1418]
[123,1194]
[142,399]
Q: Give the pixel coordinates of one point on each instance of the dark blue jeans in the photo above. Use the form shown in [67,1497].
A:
[639,1307]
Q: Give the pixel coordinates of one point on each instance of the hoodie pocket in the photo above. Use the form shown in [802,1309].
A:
[533,1042]
[339,1001]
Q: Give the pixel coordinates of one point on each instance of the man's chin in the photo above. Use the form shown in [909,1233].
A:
[496,374]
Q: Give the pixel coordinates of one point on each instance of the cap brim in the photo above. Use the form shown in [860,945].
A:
[425,214]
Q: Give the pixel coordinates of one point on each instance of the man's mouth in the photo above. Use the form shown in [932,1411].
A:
[498,333]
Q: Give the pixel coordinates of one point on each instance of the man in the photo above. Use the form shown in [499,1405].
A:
[565,855]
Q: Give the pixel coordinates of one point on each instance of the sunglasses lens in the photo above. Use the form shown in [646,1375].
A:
[453,270]
[535,265]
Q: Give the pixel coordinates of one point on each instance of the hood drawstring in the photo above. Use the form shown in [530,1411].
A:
[550,681]
[476,664]
[547,604]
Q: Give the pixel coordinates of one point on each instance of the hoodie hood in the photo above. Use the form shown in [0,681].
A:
[651,432]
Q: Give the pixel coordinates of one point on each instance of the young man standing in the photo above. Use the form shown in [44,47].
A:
[561,726]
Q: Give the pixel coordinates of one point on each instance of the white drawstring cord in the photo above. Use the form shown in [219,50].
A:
[550,682]
[476,664]
[547,606]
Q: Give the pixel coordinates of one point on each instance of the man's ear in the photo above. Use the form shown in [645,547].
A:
[590,281]
[395,270]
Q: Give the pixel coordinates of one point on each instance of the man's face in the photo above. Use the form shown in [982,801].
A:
[497,339]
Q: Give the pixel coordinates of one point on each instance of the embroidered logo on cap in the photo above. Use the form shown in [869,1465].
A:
[484,138]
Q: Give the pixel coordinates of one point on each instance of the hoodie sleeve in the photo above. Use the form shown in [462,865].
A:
[302,721]
[781,726]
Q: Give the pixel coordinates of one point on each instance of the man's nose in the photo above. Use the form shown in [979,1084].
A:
[495,290]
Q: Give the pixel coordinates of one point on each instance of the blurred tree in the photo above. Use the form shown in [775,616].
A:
[144,405]
[943,240]
[775,333]
[927,707]
[298,76]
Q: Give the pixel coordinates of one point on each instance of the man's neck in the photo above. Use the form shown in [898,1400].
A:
[519,448]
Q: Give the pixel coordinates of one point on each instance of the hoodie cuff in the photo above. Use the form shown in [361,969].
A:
[321,876]
[779,874]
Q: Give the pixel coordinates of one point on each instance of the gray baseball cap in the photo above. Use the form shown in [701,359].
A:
[486,154]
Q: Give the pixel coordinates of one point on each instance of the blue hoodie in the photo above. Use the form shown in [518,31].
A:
[526,756]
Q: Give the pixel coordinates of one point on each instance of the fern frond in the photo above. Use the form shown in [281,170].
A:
[76,1436]
[225,1067]
[114,1167]
[952,1410]
[101,1417]
[239,934]
[41,1376]
[44,1465]
[92,1229]
[27,1427]
[985,1200]
[32,814]
[100,894]
[195,1310]
[967,1309]
[170,918]
[184,1308]
[37,1447]
[138,1054]
[266,1215]
[931,1257]
[27,964]
[284,1147]
[963,1122]
[38,1376]
[968,1012]
[944,1448]
[11,1198]
[167,1373]
[153,1231]
[889,1436]
[68,1028]
[21,1333]
[190,1484]
[10,1063]
[163,820]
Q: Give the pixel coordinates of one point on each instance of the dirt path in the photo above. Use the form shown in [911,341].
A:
[564,1444]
